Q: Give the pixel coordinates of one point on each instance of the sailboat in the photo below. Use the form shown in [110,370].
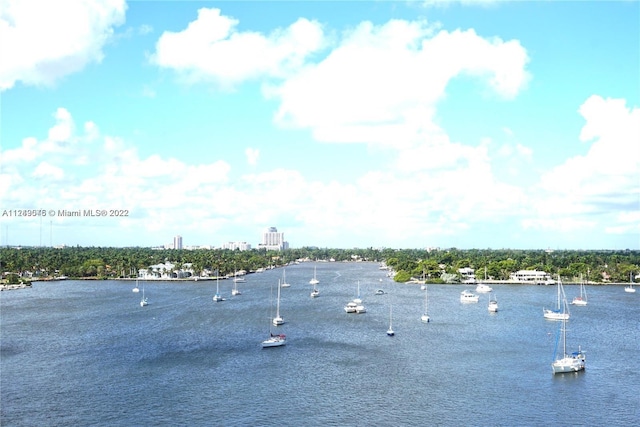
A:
[562,310]
[314,281]
[630,288]
[582,299]
[425,317]
[483,287]
[390,331]
[278,320]
[136,289]
[284,279]
[274,340]
[238,277]
[315,292]
[573,362]
[235,290]
[217,297]
[493,304]
[143,301]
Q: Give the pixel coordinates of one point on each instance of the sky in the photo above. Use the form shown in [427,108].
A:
[396,124]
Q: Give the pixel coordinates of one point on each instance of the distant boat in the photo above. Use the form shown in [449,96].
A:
[217,297]
[573,362]
[350,307]
[284,279]
[315,292]
[561,312]
[390,331]
[278,320]
[274,340]
[314,280]
[143,301]
[483,287]
[135,289]
[235,290]
[581,300]
[467,296]
[379,292]
[425,316]
[493,304]
[630,288]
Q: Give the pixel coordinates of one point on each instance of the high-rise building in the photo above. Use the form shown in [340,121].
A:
[272,239]
[177,242]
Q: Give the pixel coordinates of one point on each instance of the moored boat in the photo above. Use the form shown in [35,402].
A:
[467,296]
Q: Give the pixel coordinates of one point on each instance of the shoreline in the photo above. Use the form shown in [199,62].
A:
[28,283]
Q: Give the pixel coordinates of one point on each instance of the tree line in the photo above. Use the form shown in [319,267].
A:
[110,262]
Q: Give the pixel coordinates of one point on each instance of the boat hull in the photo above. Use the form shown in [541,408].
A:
[568,364]
[555,315]
[274,341]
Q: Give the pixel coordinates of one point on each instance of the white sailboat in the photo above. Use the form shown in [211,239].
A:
[278,320]
[561,312]
[425,317]
[238,277]
[581,300]
[390,331]
[235,290]
[315,292]
[284,279]
[493,304]
[483,287]
[573,362]
[217,297]
[136,289]
[315,280]
[274,340]
[143,302]
[630,289]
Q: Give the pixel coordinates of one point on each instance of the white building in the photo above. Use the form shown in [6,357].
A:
[467,275]
[532,276]
[243,246]
[272,239]
[177,242]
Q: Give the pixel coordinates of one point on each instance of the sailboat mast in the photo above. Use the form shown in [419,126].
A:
[278,301]
[564,338]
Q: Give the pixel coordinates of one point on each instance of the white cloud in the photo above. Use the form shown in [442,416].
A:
[604,182]
[46,170]
[43,41]
[212,49]
[381,83]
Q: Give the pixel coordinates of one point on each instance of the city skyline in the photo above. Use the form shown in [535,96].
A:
[487,124]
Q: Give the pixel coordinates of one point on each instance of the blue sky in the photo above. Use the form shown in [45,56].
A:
[469,124]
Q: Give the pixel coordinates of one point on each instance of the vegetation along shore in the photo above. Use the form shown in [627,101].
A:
[26,264]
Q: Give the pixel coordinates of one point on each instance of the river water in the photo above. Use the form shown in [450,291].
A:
[85,353]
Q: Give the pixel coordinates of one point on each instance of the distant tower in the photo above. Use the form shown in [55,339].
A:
[273,240]
[177,242]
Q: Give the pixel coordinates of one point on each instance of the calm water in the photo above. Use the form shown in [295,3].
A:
[85,353]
